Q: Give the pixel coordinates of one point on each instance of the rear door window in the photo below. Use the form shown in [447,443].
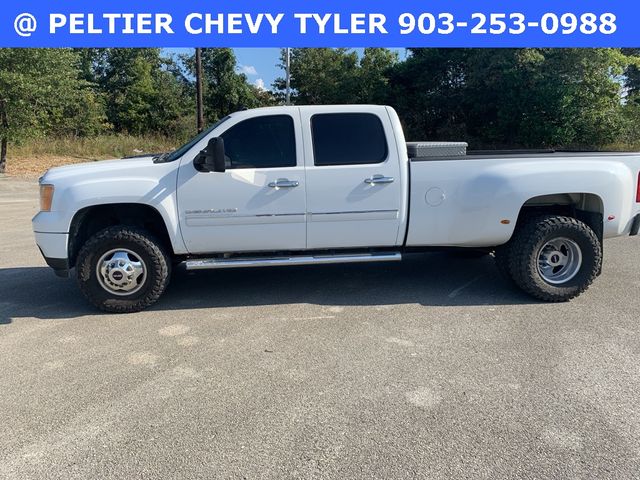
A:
[348,139]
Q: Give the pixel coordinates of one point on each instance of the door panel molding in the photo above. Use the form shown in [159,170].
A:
[204,220]
[355,216]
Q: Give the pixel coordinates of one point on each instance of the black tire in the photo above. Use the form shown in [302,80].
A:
[525,248]
[153,282]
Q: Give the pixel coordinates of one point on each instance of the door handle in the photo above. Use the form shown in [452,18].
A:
[284,183]
[378,179]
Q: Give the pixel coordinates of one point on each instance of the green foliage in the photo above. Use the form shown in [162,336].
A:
[630,137]
[334,76]
[632,72]
[144,91]
[226,90]
[42,93]
[69,93]
[373,75]
[512,97]
[576,98]
[321,75]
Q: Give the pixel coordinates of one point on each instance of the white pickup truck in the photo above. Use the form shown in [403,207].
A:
[298,185]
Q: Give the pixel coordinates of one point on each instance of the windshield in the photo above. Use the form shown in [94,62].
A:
[169,157]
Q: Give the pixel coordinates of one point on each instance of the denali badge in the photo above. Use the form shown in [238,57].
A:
[212,211]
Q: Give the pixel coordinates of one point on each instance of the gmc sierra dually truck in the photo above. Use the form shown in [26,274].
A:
[299,185]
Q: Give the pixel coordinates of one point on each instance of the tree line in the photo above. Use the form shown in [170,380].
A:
[492,98]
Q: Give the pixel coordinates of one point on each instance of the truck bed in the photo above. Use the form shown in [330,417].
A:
[474,200]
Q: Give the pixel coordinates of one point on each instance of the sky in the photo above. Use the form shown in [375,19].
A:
[260,64]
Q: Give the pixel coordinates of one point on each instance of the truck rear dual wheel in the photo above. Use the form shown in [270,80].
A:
[122,269]
[553,258]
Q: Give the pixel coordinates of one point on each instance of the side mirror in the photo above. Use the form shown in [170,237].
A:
[212,158]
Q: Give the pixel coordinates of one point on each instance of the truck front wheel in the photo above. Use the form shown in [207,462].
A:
[554,258]
[122,269]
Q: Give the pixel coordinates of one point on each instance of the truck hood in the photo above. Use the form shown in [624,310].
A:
[122,166]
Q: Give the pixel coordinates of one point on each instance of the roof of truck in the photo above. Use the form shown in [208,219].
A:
[357,106]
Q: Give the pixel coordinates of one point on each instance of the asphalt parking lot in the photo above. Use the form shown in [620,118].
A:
[430,368]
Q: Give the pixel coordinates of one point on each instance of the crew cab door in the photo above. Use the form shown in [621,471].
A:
[258,203]
[354,187]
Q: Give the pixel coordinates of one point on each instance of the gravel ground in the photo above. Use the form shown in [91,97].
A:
[430,368]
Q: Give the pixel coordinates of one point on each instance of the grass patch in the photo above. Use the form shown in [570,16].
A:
[622,147]
[34,157]
[100,147]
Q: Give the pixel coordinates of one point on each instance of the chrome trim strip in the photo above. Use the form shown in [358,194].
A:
[276,215]
[218,214]
[227,215]
[354,216]
[353,211]
[210,263]
[199,220]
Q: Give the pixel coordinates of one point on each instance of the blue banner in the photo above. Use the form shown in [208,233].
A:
[315,23]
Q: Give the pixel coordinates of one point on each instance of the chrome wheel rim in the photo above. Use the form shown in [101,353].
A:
[121,271]
[559,260]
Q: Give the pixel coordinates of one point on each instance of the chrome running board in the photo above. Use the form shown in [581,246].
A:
[207,263]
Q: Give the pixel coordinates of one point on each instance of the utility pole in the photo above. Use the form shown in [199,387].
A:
[199,106]
[288,69]
[4,135]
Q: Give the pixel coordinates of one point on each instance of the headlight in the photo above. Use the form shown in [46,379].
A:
[46,197]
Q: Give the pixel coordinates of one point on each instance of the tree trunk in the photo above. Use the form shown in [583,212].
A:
[3,141]
[199,106]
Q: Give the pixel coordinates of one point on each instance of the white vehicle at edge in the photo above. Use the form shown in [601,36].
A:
[328,184]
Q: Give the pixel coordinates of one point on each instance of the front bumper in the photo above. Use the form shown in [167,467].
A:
[53,247]
[60,265]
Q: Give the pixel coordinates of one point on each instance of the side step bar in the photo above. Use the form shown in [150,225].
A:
[207,263]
